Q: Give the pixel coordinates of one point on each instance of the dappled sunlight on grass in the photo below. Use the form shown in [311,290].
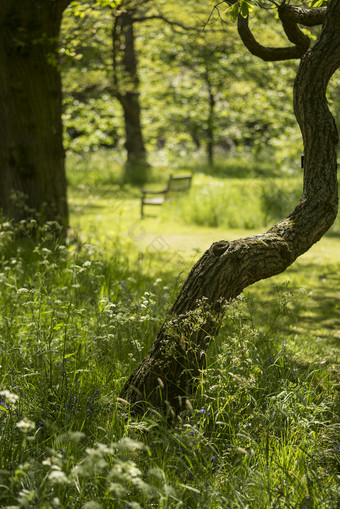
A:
[164,242]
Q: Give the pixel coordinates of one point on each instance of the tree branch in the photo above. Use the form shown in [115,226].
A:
[265,52]
[290,17]
[292,31]
[306,17]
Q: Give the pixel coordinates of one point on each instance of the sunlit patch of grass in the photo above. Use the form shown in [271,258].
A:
[261,429]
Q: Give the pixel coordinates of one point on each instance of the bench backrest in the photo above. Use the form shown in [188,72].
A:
[176,184]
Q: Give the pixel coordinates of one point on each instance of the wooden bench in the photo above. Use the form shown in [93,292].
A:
[174,185]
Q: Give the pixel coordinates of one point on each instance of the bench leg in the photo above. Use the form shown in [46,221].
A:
[142,209]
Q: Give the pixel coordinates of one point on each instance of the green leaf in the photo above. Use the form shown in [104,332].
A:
[244,9]
[58,326]
[318,3]
[233,10]
[67,356]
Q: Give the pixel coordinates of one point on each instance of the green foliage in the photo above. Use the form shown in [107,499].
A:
[242,7]
[69,319]
[279,197]
[235,193]
[318,3]
[178,70]
[91,170]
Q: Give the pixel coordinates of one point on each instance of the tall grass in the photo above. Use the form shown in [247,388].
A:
[260,430]
[236,203]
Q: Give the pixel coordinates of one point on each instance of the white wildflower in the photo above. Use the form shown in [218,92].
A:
[25,425]
[92,504]
[9,396]
[22,291]
[58,476]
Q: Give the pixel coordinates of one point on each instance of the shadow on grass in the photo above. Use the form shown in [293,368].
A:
[333,234]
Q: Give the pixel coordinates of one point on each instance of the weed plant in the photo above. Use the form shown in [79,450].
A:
[260,431]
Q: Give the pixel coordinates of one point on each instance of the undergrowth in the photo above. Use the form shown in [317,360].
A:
[236,203]
[261,429]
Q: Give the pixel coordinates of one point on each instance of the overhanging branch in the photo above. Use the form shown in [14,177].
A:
[290,17]
[265,52]
[306,17]
[292,30]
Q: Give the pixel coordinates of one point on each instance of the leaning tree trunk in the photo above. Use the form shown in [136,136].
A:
[32,173]
[126,83]
[227,268]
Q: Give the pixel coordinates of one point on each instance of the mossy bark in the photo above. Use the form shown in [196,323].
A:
[178,354]
[32,171]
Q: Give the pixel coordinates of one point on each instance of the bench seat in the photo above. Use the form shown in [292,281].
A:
[174,185]
[154,201]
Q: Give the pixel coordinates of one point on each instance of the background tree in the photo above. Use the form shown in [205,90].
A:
[176,108]
[31,151]
[172,94]
[208,69]
[126,75]
[227,268]
[108,60]
[126,88]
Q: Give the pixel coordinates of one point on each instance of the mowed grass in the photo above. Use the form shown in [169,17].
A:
[262,427]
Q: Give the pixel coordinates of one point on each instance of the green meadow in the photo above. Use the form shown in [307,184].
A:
[262,427]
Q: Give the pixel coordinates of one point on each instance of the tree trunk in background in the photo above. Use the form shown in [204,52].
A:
[32,172]
[126,83]
[210,120]
[178,354]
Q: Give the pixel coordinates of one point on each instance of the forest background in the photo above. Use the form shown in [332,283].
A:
[261,429]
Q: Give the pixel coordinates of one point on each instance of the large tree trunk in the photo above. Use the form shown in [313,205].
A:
[126,82]
[32,172]
[228,267]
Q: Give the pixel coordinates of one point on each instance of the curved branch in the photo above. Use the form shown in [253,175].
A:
[290,17]
[269,53]
[292,31]
[306,17]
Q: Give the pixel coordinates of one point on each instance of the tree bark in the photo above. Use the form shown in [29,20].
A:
[178,354]
[126,82]
[32,172]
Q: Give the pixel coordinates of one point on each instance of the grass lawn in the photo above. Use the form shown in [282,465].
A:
[163,236]
[262,427]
